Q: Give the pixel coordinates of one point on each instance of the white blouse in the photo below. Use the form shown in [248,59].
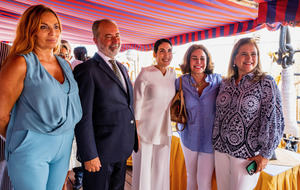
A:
[153,93]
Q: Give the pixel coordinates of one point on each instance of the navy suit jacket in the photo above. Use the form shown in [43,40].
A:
[107,128]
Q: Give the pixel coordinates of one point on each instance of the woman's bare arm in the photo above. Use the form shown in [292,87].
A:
[12,77]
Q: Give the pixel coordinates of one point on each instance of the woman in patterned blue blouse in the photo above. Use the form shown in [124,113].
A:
[249,121]
[200,88]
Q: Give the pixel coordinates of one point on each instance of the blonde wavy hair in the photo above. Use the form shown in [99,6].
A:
[27,28]
[233,70]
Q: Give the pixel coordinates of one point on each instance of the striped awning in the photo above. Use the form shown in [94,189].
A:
[283,11]
[142,22]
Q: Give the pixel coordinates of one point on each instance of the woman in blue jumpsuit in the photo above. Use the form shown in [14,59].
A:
[39,104]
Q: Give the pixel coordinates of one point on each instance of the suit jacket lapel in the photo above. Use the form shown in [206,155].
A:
[103,65]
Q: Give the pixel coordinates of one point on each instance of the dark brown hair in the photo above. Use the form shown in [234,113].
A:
[186,66]
[158,42]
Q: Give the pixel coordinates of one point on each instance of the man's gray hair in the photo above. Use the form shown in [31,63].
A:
[96,26]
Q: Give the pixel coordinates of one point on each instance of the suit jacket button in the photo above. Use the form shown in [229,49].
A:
[131,122]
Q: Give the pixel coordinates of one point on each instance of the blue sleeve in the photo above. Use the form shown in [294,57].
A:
[219,79]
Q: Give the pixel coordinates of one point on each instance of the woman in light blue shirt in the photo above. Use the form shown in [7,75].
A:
[200,88]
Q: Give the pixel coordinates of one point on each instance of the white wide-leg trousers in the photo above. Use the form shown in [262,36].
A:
[151,167]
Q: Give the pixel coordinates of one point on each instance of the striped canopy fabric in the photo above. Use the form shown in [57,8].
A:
[142,22]
[283,11]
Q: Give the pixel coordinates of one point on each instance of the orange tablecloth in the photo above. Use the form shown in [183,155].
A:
[288,180]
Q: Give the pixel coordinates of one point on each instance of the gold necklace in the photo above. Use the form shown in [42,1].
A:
[199,86]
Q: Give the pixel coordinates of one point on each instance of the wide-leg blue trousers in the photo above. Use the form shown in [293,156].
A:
[38,161]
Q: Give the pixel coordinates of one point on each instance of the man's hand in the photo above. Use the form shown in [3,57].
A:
[260,161]
[93,165]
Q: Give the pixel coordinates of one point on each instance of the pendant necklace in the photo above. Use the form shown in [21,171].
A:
[199,86]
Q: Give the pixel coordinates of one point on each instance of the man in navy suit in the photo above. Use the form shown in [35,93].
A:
[106,135]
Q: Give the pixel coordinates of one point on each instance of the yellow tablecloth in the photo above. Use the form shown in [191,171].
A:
[177,166]
[288,180]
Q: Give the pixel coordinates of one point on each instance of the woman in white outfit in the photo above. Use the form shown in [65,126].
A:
[153,91]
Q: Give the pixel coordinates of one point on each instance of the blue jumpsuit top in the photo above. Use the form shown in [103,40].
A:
[45,105]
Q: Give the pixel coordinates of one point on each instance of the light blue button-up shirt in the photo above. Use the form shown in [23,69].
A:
[197,135]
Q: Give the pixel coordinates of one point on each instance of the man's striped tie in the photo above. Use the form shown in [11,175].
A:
[115,68]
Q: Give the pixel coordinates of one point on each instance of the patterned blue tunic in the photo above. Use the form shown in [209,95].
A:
[249,119]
